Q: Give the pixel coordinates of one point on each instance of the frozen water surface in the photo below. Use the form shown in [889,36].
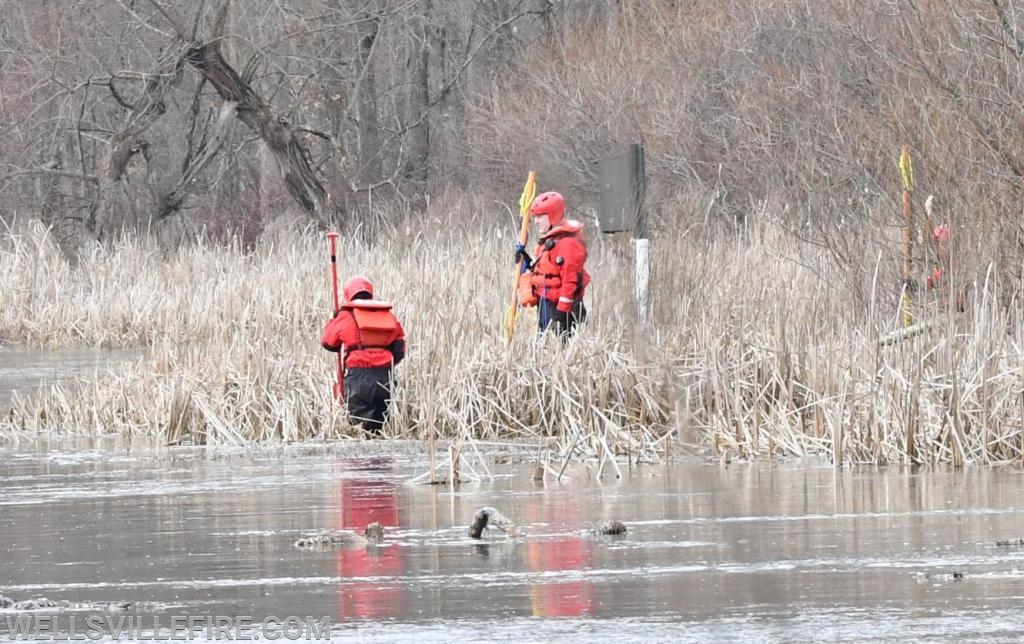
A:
[798,551]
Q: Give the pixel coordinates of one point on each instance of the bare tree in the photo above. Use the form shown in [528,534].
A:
[365,96]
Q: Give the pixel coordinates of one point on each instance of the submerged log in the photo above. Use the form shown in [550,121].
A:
[612,527]
[373,534]
[490,518]
[59,605]
[939,577]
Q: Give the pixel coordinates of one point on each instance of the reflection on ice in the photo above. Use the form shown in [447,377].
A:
[748,553]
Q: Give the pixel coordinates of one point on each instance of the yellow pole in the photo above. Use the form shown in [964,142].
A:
[525,199]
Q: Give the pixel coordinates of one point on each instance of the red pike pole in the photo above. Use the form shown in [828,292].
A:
[339,385]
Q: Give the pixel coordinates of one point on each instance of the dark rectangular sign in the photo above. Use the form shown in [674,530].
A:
[621,190]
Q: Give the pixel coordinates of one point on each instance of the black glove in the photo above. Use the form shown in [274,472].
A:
[522,255]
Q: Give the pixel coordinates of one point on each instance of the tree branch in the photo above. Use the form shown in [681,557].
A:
[142,21]
[171,202]
[289,151]
[178,28]
[1011,33]
[52,172]
[198,18]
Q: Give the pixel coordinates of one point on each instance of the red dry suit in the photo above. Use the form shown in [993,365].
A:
[373,341]
[557,274]
[938,278]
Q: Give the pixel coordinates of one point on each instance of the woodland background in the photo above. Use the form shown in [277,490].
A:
[226,118]
[168,169]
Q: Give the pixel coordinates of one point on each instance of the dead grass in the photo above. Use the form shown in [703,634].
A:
[750,353]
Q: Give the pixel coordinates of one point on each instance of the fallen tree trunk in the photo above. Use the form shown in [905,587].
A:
[288,149]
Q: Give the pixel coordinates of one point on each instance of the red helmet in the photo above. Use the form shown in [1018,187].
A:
[942,232]
[550,204]
[356,285]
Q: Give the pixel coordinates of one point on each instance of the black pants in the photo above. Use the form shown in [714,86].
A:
[548,318]
[368,396]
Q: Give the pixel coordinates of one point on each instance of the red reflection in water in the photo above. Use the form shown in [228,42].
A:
[364,501]
[562,599]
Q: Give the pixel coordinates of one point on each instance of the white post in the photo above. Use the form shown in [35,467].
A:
[643,276]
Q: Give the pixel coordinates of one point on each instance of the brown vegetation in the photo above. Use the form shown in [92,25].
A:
[752,354]
[771,128]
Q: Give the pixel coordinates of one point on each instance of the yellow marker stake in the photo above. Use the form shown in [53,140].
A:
[907,174]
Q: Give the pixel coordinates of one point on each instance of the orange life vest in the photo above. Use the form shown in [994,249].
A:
[375,323]
[546,276]
[547,272]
